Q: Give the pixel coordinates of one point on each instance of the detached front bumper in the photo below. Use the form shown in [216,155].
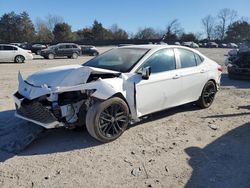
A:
[33,111]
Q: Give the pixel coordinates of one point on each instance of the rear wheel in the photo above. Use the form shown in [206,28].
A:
[208,95]
[19,59]
[107,120]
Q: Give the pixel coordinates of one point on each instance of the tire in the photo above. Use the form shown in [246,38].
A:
[74,56]
[19,59]
[95,54]
[207,96]
[38,52]
[69,56]
[107,120]
[51,56]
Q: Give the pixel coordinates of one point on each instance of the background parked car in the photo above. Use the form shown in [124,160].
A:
[13,53]
[89,50]
[70,50]
[239,65]
[37,48]
[232,45]
[222,45]
[212,45]
[190,44]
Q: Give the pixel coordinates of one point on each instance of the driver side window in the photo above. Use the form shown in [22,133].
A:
[161,61]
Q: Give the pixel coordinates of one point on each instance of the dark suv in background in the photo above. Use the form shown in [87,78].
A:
[70,50]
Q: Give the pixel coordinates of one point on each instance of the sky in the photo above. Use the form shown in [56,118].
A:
[128,14]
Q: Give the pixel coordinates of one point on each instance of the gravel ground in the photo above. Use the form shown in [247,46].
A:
[180,147]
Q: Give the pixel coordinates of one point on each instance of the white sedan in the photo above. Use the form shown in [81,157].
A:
[14,54]
[117,87]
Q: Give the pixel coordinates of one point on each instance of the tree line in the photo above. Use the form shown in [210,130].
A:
[225,26]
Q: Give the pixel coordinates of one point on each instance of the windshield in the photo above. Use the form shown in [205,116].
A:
[118,59]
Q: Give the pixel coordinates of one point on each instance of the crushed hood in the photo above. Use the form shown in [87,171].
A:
[64,76]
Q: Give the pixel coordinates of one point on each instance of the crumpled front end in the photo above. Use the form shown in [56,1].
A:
[48,108]
[58,106]
[239,66]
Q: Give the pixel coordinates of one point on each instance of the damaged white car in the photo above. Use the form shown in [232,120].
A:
[116,88]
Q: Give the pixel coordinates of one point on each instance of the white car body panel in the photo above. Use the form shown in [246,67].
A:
[161,91]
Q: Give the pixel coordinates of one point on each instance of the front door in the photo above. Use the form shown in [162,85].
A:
[162,89]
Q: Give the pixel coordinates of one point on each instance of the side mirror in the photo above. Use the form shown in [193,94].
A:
[146,73]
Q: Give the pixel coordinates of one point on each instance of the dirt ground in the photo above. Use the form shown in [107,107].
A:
[180,147]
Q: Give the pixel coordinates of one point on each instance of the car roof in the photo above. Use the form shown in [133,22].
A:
[66,44]
[9,45]
[156,47]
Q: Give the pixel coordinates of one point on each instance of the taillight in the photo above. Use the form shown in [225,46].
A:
[220,69]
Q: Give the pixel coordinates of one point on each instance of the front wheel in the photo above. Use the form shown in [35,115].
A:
[107,120]
[51,56]
[208,95]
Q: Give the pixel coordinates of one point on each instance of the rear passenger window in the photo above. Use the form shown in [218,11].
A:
[199,59]
[7,48]
[62,47]
[187,58]
[68,46]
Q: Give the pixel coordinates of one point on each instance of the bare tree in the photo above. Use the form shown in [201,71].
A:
[43,34]
[52,20]
[174,27]
[118,33]
[147,33]
[225,17]
[208,24]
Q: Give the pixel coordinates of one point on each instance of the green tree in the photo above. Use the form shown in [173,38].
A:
[62,32]
[238,31]
[99,32]
[16,28]
[85,33]
[10,28]
[27,28]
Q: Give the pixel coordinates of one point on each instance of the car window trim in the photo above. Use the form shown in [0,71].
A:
[180,59]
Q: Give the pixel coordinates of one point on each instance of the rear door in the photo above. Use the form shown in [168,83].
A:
[194,74]
[69,50]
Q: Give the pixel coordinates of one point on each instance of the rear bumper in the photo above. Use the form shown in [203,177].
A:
[29,57]
[34,112]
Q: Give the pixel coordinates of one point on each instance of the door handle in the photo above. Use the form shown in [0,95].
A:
[176,76]
[202,71]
